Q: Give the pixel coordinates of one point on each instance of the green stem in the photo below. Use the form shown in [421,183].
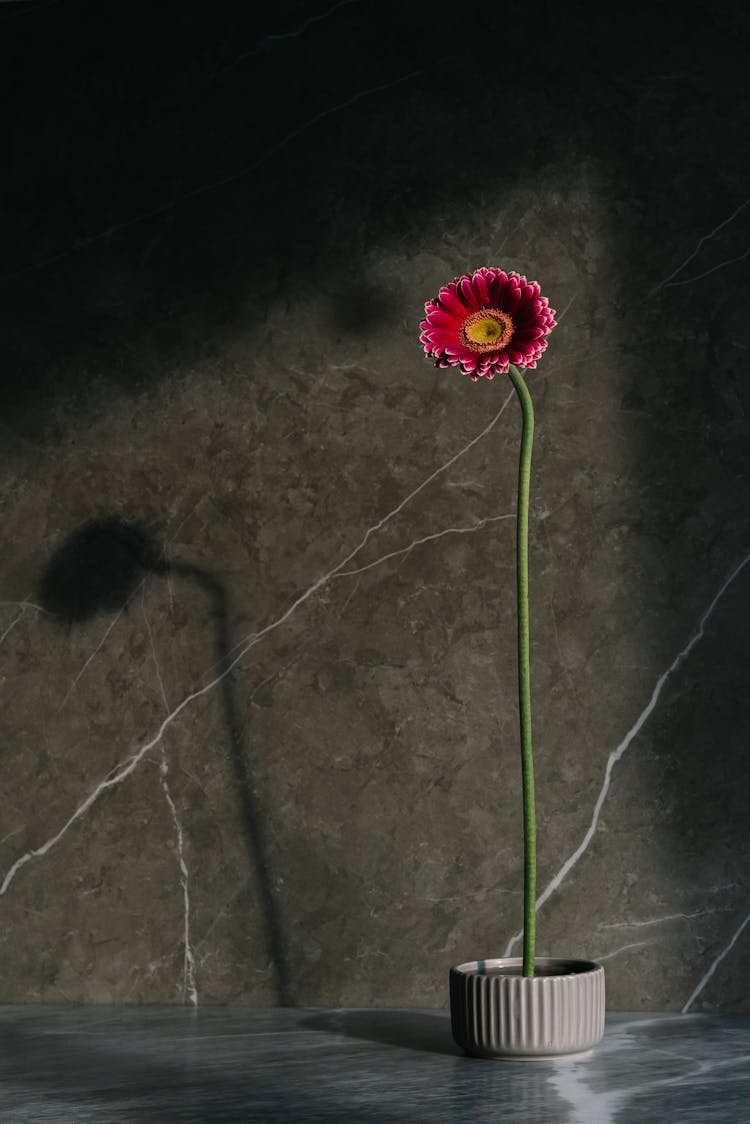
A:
[524,678]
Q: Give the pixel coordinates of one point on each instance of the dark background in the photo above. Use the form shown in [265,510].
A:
[159,161]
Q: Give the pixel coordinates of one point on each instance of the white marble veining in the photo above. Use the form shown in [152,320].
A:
[656,920]
[92,656]
[9,628]
[478,526]
[600,957]
[715,964]
[189,989]
[670,282]
[23,606]
[282,36]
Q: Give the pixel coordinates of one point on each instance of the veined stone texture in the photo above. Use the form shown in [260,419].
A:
[279,763]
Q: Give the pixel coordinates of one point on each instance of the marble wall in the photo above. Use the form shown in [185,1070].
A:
[257,616]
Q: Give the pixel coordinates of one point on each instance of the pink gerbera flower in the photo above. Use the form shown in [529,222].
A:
[484,321]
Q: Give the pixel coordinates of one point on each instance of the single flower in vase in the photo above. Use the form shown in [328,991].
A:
[486,323]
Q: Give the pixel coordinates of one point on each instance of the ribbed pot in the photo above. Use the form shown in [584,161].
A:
[496,1012]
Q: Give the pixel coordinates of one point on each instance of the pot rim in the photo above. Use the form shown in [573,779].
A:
[548,966]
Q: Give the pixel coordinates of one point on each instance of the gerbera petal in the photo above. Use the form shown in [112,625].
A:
[481,292]
[450,301]
[467,294]
[445,320]
[516,355]
[526,315]
[443,341]
[511,299]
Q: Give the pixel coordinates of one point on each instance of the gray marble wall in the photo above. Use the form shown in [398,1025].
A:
[257,670]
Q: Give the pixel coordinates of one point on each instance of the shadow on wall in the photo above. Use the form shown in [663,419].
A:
[151,210]
[98,569]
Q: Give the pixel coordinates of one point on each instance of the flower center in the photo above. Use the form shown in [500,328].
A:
[487,329]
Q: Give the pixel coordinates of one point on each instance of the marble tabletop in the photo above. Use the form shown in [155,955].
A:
[141,1064]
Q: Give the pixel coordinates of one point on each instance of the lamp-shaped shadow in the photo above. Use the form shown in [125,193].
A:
[98,569]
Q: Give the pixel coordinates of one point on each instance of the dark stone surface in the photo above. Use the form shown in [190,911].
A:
[107,1064]
[277,760]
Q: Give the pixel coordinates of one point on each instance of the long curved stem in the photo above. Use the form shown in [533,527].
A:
[524,676]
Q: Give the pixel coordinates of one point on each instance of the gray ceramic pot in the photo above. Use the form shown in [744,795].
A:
[496,1012]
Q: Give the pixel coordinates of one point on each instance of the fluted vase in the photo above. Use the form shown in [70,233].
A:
[496,1012]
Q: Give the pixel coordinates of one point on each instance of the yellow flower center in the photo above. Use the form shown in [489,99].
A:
[487,329]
